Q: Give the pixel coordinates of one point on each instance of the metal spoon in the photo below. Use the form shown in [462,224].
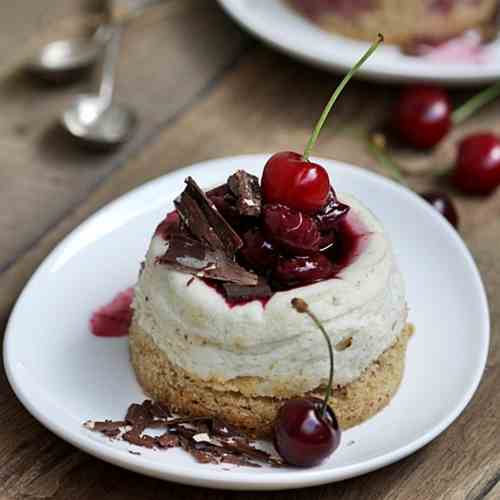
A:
[65,60]
[95,119]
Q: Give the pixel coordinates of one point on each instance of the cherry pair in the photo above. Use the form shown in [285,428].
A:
[423,116]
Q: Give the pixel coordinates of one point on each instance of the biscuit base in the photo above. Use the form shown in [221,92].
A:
[189,395]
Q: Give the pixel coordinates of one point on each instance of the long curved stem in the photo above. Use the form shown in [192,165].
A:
[338,90]
[474,103]
[301,306]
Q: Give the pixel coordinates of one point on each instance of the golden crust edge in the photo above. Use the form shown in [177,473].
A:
[188,395]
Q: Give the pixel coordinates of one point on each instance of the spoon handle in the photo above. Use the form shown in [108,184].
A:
[108,67]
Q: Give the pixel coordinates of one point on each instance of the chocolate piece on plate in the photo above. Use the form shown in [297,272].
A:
[204,221]
[106,425]
[245,187]
[187,255]
[243,292]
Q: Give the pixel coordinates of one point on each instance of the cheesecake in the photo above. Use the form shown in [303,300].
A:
[405,22]
[213,331]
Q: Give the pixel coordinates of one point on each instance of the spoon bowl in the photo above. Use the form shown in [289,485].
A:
[64,59]
[97,123]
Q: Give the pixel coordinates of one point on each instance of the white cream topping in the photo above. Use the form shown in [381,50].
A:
[194,326]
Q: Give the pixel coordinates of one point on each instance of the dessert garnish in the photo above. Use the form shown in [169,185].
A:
[113,319]
[293,180]
[245,188]
[208,440]
[306,430]
[256,242]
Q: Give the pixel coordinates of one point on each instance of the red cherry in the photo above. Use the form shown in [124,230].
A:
[290,180]
[331,213]
[300,271]
[290,230]
[443,204]
[258,252]
[477,169]
[302,435]
[422,115]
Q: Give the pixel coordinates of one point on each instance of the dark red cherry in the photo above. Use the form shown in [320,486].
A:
[443,204]
[477,169]
[258,252]
[302,435]
[290,230]
[422,115]
[300,271]
[290,180]
[331,213]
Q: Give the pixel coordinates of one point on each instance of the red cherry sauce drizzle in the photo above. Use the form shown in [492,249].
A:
[353,239]
[113,319]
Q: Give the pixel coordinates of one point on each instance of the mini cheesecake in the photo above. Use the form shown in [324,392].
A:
[214,333]
[402,22]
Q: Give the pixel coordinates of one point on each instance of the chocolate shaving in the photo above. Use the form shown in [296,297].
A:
[106,426]
[204,221]
[138,415]
[206,439]
[135,437]
[245,188]
[167,440]
[187,255]
[261,290]
[157,409]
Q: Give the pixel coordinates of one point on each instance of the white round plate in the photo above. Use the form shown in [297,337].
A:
[63,375]
[280,26]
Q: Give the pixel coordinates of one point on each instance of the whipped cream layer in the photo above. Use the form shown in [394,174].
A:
[281,351]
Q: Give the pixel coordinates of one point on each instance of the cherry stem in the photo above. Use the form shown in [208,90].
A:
[338,90]
[378,151]
[301,306]
[469,107]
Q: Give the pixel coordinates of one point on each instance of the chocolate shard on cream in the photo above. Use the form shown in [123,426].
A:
[245,188]
[187,255]
[204,221]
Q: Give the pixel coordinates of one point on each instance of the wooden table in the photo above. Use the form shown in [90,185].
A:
[203,89]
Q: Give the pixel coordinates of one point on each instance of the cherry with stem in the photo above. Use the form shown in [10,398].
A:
[306,431]
[290,178]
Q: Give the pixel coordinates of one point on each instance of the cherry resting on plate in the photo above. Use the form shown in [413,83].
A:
[422,115]
[306,431]
[477,169]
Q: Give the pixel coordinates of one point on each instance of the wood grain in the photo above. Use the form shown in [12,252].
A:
[163,68]
[251,107]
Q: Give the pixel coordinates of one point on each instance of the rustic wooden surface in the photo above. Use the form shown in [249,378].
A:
[203,89]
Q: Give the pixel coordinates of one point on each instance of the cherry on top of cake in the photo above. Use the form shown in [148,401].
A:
[250,240]
[273,247]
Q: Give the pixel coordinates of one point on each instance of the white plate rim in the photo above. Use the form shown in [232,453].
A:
[240,480]
[407,69]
